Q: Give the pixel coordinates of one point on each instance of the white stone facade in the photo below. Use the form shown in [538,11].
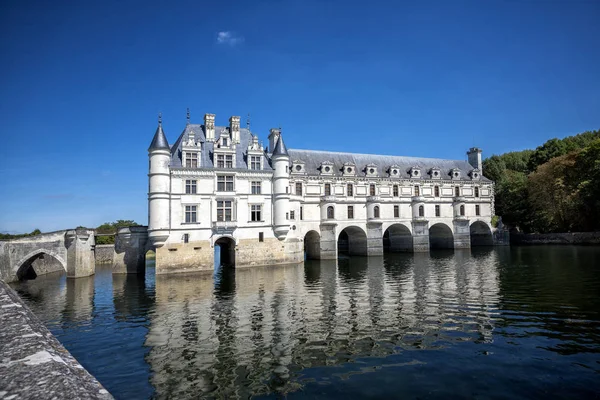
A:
[219,186]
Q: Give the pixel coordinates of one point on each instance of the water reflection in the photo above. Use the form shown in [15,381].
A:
[253,331]
[511,322]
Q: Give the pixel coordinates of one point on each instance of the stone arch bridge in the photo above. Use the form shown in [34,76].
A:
[71,251]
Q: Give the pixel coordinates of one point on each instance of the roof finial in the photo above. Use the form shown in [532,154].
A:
[188,116]
[160,118]
[248,122]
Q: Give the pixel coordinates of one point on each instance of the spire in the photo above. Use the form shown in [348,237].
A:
[280,149]
[160,140]
[188,117]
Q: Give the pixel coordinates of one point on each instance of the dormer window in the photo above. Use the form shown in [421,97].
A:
[224,140]
[435,173]
[254,154]
[224,161]
[371,170]
[190,159]
[415,172]
[475,174]
[349,169]
[298,167]
[326,168]
[255,162]
[455,174]
[394,171]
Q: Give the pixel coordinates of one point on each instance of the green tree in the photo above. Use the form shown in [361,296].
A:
[589,185]
[111,228]
[553,194]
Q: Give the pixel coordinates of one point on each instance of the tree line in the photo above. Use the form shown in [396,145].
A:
[8,236]
[111,228]
[554,188]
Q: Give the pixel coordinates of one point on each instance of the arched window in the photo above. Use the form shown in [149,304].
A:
[462,210]
[421,211]
[376,211]
[330,213]
[395,190]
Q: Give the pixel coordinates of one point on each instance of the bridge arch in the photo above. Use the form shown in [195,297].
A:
[312,245]
[481,234]
[24,269]
[224,252]
[441,236]
[352,240]
[397,239]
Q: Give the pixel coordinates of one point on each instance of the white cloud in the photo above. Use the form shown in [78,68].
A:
[229,38]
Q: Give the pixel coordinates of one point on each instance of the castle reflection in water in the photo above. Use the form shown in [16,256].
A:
[259,330]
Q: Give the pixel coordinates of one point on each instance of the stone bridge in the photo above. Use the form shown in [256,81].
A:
[71,251]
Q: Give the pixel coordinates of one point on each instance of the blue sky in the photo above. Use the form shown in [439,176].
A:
[83,82]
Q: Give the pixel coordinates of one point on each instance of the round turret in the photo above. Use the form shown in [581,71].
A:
[281,183]
[159,154]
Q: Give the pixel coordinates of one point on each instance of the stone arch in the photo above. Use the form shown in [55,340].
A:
[312,245]
[441,236]
[25,268]
[352,240]
[481,234]
[397,239]
[224,252]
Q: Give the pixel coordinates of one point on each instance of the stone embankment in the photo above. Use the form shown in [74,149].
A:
[33,364]
[586,238]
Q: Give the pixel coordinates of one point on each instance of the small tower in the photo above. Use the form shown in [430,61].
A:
[281,183]
[474,155]
[159,154]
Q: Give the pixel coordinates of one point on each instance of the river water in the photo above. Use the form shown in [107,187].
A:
[521,322]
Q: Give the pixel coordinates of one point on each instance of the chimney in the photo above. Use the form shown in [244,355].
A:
[273,136]
[209,126]
[474,155]
[234,129]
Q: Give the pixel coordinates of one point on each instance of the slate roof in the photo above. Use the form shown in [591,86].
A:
[280,148]
[314,158]
[159,141]
[208,148]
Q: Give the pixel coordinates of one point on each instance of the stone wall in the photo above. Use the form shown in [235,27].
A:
[33,364]
[199,255]
[588,238]
[105,253]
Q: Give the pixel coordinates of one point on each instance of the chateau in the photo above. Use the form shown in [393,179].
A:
[218,188]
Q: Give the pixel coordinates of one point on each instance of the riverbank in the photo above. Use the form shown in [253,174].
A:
[33,364]
[578,238]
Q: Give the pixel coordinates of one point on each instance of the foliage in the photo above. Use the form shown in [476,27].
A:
[106,228]
[559,147]
[8,236]
[554,188]
[495,220]
[111,228]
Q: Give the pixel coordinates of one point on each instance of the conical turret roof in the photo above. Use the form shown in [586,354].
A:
[160,140]
[280,149]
